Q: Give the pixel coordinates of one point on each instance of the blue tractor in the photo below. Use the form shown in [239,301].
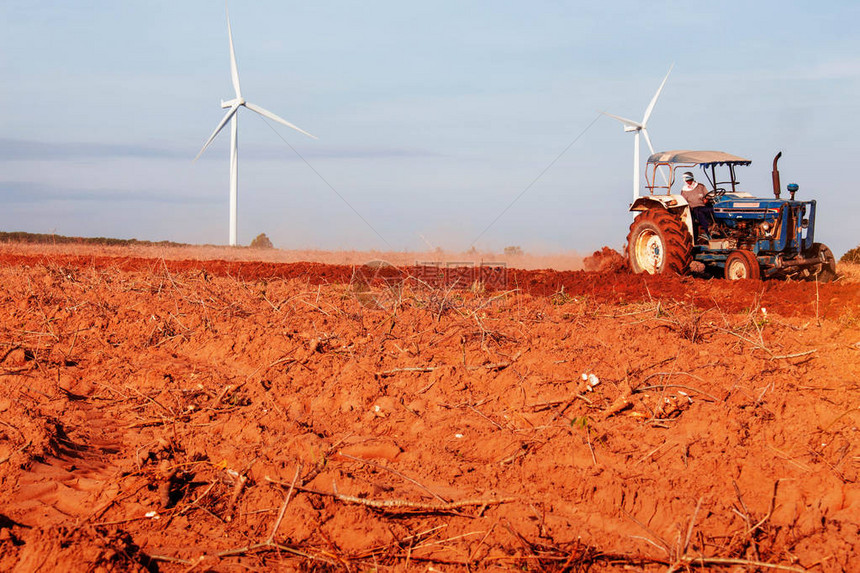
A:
[747,238]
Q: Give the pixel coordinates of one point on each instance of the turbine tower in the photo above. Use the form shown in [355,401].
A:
[641,127]
[233,116]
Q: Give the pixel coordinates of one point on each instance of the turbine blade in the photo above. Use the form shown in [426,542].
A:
[270,115]
[651,147]
[648,140]
[224,121]
[655,98]
[234,70]
[624,120]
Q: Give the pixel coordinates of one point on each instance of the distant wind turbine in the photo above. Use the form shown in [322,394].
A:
[641,127]
[234,105]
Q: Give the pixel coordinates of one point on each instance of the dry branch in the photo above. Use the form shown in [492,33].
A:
[550,403]
[386,373]
[400,505]
[284,506]
[797,355]
[21,449]
[705,561]
[397,473]
[269,544]
[662,386]
[393,505]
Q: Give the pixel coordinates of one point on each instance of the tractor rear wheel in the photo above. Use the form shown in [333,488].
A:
[658,242]
[742,265]
[826,272]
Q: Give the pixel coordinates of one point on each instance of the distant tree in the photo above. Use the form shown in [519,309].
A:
[37,238]
[513,251]
[852,256]
[262,242]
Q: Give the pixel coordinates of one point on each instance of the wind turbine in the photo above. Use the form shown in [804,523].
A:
[233,116]
[641,127]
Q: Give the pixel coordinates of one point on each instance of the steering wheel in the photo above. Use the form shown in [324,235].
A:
[715,193]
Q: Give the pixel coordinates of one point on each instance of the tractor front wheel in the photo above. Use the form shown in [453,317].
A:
[742,265]
[826,271]
[658,242]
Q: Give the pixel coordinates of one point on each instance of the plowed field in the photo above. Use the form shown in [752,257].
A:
[178,414]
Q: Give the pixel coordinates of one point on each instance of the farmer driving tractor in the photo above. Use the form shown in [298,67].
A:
[696,196]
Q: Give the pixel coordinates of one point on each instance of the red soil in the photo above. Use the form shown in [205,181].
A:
[614,285]
[155,413]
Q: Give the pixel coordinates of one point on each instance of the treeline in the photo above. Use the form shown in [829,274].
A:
[40,238]
[852,256]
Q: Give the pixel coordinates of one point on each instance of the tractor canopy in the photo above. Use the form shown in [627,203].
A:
[703,158]
[686,160]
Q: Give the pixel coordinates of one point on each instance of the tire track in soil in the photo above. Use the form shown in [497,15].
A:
[75,477]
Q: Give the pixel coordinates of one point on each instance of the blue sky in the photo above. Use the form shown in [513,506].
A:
[431,118]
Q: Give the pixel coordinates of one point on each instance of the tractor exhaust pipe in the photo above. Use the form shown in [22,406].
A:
[775,175]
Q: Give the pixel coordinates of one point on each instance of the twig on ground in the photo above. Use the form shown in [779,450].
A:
[481,542]
[397,473]
[654,451]
[425,388]
[798,355]
[690,527]
[484,416]
[238,488]
[731,561]
[399,541]
[278,546]
[789,459]
[191,505]
[398,505]
[494,366]
[591,449]
[655,374]
[386,373]
[840,416]
[284,506]
[817,302]
[745,339]
[550,403]
[21,449]
[770,510]
[663,544]
[441,541]
[269,543]
[168,559]
[746,517]
[641,389]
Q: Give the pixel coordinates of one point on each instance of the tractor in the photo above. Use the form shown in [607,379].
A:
[747,238]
